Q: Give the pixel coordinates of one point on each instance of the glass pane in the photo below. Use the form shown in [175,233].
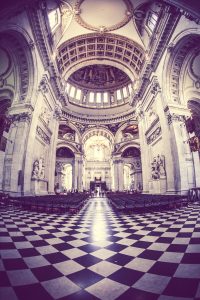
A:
[72,91]
[68,88]
[78,94]
[130,89]
[53,18]
[105,97]
[119,96]
[91,97]
[125,93]
[98,98]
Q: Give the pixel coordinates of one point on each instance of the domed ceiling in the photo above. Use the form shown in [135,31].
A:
[99,78]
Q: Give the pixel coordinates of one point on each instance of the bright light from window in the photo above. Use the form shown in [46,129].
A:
[152,20]
[54,17]
[78,94]
[98,98]
[72,91]
[119,95]
[125,93]
[68,88]
[105,97]
[91,97]
[130,89]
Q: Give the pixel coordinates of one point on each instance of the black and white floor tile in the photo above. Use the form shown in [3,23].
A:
[100,254]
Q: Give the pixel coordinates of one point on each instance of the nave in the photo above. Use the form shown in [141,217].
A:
[100,254]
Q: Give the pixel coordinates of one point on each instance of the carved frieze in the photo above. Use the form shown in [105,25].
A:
[43,86]
[44,137]
[57,112]
[45,115]
[152,135]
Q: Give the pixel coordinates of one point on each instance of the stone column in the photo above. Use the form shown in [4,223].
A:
[80,175]
[52,153]
[118,174]
[144,148]
[15,153]
[75,173]
[179,155]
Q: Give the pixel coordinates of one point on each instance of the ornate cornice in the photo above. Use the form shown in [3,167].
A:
[98,120]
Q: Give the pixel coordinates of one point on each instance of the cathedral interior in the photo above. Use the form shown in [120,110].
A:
[100,149]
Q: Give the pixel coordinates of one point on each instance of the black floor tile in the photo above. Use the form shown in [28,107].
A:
[46,273]
[163,268]
[87,260]
[85,278]
[32,292]
[134,294]
[182,287]
[126,276]
[120,259]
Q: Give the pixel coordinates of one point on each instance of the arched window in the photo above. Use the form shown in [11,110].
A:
[54,18]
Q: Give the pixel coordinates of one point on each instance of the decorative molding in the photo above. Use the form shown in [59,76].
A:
[173,117]
[21,117]
[44,137]
[99,119]
[103,29]
[57,112]
[153,133]
[43,85]
[45,115]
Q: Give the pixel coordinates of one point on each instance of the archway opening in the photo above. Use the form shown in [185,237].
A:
[97,163]
[64,170]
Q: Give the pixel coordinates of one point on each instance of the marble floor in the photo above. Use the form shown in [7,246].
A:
[100,254]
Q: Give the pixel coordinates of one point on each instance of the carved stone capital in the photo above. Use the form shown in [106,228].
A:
[57,112]
[21,117]
[43,86]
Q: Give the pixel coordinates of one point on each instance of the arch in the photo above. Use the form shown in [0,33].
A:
[178,51]
[92,48]
[131,144]
[131,152]
[64,152]
[67,145]
[21,49]
[99,131]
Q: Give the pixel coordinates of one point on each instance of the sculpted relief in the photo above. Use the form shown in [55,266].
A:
[158,167]
[38,171]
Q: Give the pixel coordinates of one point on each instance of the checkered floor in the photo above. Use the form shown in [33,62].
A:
[98,254]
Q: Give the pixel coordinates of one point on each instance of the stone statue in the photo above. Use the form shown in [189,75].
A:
[154,169]
[38,169]
[158,167]
[35,171]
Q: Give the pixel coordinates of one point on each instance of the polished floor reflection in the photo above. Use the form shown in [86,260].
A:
[98,254]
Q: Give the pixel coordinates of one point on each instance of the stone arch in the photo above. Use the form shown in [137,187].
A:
[130,144]
[108,49]
[176,62]
[20,49]
[67,145]
[100,131]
